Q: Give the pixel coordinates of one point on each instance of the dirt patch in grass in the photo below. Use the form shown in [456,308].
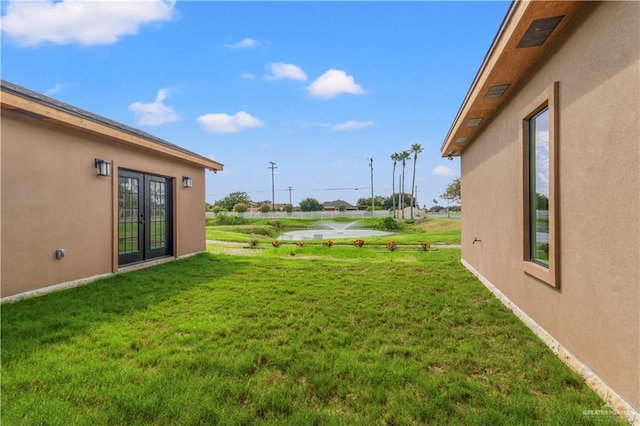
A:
[239,251]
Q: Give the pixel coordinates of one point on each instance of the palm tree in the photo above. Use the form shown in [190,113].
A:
[416,148]
[404,156]
[395,157]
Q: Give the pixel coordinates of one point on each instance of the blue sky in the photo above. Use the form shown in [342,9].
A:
[316,87]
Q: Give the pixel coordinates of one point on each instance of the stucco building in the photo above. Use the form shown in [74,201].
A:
[84,196]
[549,140]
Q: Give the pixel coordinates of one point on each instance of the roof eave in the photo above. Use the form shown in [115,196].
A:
[15,100]
[504,64]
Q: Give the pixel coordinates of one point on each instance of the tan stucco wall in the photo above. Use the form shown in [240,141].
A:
[52,198]
[595,314]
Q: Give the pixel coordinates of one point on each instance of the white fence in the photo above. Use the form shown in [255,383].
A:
[353,214]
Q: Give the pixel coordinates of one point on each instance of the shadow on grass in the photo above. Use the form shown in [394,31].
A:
[30,324]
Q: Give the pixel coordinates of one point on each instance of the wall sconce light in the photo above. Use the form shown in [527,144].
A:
[103,168]
[187,182]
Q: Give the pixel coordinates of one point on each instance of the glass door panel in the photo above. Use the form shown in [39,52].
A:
[130,215]
[158,226]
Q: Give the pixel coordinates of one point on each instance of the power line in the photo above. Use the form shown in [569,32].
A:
[294,189]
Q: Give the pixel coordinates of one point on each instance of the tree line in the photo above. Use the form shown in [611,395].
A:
[241,202]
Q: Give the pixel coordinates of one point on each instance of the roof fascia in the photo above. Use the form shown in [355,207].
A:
[46,113]
[504,63]
[498,43]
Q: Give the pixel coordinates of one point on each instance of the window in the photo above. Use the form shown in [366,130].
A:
[539,141]
[539,187]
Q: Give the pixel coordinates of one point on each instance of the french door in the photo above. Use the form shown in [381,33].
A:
[145,217]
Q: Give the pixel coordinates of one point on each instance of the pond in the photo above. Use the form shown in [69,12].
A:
[332,230]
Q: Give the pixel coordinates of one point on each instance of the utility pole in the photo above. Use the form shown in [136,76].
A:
[373,203]
[290,197]
[273,190]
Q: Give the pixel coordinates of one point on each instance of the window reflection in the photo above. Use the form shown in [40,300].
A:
[539,186]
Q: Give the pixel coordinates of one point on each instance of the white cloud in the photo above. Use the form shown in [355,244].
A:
[280,71]
[351,125]
[156,112]
[225,123]
[333,83]
[247,43]
[55,90]
[444,171]
[82,22]
[248,76]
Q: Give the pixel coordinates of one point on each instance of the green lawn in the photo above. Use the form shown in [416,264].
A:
[336,335]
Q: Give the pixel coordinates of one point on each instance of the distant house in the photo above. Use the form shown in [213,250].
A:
[84,196]
[278,207]
[335,205]
[549,140]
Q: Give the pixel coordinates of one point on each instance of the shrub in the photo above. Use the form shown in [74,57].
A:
[227,219]
[424,246]
[310,205]
[267,231]
[254,243]
[301,244]
[409,221]
[276,243]
[287,208]
[240,208]
[388,224]
[264,208]
[392,246]
[327,243]
[358,243]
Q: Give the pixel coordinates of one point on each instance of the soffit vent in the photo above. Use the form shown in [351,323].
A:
[539,31]
[495,92]
[461,139]
[474,122]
